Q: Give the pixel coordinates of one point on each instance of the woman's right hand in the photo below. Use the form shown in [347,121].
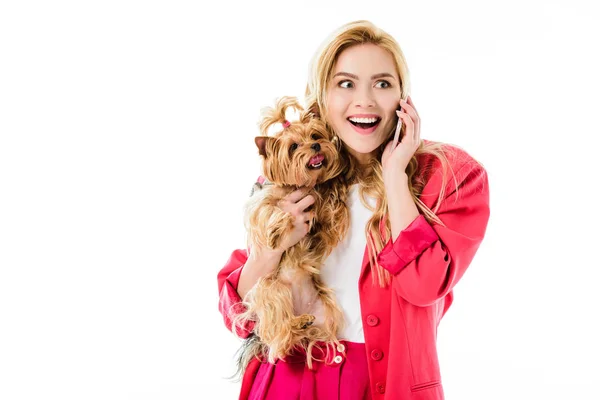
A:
[262,261]
[295,204]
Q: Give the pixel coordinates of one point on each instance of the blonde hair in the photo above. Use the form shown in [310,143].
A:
[370,179]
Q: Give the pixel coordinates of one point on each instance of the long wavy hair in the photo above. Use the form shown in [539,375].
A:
[370,178]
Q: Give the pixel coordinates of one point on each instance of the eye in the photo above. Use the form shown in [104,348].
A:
[341,83]
[314,136]
[387,84]
[294,146]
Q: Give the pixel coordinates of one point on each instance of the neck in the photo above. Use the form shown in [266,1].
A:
[363,159]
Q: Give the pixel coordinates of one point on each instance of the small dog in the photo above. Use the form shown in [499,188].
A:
[291,307]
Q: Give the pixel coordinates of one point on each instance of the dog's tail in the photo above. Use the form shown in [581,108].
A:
[250,348]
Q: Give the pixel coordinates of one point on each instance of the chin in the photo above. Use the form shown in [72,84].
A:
[361,148]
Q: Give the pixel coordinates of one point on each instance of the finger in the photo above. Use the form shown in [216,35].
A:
[398,128]
[386,152]
[308,216]
[418,132]
[410,110]
[410,126]
[416,118]
[388,148]
[296,195]
[305,202]
[286,205]
[412,105]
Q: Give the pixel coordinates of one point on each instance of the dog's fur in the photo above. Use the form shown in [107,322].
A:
[291,307]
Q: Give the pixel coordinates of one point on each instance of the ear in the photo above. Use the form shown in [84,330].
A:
[261,143]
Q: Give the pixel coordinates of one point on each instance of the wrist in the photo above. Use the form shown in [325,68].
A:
[392,179]
[266,254]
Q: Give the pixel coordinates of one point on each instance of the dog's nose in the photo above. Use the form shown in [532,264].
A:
[316,147]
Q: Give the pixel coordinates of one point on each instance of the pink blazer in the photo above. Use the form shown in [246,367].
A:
[426,261]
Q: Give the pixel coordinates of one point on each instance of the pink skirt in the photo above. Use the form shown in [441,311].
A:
[343,376]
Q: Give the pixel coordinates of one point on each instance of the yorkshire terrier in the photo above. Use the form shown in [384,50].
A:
[291,307]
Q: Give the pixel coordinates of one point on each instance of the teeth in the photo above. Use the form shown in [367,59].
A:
[363,120]
[316,165]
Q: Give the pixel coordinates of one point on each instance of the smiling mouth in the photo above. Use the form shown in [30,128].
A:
[365,125]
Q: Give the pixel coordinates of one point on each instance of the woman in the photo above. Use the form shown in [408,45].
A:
[419,212]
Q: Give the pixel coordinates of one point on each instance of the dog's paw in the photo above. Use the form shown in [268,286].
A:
[303,321]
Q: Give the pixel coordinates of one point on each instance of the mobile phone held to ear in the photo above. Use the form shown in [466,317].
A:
[397,134]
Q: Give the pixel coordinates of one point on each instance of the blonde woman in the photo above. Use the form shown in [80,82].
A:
[419,212]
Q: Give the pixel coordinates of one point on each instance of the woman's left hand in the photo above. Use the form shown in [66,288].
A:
[395,160]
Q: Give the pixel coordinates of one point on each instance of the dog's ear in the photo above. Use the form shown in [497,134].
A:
[312,113]
[314,110]
[261,143]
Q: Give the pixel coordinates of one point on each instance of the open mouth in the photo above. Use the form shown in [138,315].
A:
[316,162]
[365,125]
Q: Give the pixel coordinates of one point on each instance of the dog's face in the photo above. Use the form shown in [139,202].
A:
[301,155]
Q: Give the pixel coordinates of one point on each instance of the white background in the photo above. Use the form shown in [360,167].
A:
[126,154]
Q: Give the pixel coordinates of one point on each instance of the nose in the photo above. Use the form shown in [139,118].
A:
[316,146]
[364,97]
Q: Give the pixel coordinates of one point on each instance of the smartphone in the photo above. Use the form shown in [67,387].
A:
[398,128]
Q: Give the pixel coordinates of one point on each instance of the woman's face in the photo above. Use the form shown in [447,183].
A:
[362,98]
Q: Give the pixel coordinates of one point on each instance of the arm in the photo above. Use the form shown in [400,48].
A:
[229,300]
[236,279]
[241,272]
[427,260]
[260,263]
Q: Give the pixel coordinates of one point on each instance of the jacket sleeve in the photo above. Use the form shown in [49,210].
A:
[229,300]
[427,260]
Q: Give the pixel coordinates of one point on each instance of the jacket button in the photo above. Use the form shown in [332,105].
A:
[337,359]
[341,348]
[376,354]
[380,387]
[372,320]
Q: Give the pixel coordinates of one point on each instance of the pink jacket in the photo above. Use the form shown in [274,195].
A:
[426,261]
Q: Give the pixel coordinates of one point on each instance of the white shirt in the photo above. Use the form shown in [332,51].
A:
[341,269]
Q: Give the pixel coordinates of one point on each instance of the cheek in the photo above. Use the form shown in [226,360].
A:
[390,106]
[391,102]
[337,104]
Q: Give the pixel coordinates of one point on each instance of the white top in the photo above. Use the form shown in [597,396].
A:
[341,269]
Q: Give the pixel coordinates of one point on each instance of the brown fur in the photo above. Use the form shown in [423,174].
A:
[292,308]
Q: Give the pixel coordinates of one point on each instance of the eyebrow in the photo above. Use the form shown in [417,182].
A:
[380,75]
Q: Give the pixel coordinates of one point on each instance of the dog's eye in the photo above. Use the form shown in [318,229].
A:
[314,136]
[294,146]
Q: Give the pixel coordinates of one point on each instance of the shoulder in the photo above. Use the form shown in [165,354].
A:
[457,157]
[461,168]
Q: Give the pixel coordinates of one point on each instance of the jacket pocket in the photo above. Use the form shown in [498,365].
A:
[423,386]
